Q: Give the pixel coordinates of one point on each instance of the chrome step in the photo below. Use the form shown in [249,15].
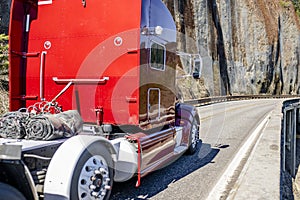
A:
[180,149]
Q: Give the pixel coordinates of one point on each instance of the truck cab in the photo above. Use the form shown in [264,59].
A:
[107,68]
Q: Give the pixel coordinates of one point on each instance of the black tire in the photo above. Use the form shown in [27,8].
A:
[194,137]
[9,192]
[95,149]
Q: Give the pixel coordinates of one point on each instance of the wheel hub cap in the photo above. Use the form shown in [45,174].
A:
[94,181]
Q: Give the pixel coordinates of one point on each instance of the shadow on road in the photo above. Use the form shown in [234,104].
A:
[158,181]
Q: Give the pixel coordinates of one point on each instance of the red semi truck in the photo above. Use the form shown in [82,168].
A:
[92,98]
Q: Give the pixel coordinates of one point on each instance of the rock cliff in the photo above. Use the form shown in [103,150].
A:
[247,47]
[4,15]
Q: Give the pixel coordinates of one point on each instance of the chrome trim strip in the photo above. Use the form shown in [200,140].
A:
[42,66]
[80,80]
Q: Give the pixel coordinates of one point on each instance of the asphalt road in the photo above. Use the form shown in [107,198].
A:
[224,128]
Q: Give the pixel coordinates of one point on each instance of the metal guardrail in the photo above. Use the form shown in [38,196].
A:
[218,99]
[290,122]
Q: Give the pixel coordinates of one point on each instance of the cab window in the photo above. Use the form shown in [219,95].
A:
[157,56]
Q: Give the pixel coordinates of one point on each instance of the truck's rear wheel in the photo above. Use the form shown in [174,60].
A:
[93,174]
[9,192]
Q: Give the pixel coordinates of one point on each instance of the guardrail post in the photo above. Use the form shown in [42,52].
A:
[284,139]
[288,138]
[289,130]
[289,152]
[293,145]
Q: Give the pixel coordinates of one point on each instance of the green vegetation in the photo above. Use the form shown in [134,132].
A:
[285,4]
[288,3]
[3,73]
[297,6]
[3,54]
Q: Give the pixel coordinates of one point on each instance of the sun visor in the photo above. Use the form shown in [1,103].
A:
[156,14]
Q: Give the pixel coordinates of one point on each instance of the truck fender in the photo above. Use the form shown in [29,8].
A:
[185,116]
[63,171]
[127,159]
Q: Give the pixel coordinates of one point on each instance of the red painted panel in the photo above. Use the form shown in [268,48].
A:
[77,42]
[18,49]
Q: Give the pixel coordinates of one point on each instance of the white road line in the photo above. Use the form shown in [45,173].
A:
[218,190]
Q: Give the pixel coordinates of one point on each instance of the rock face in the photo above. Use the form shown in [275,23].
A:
[4,15]
[247,46]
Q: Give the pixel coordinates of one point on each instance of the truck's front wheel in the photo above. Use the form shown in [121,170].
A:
[93,174]
[194,137]
[9,192]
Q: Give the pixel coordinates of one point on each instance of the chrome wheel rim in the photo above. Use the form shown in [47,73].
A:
[94,181]
[195,135]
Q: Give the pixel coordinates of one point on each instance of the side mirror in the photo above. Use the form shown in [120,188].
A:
[197,68]
[192,64]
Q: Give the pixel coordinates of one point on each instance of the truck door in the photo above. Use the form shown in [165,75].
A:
[157,84]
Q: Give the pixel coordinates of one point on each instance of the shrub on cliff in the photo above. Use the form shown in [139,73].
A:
[3,54]
[3,71]
[297,6]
